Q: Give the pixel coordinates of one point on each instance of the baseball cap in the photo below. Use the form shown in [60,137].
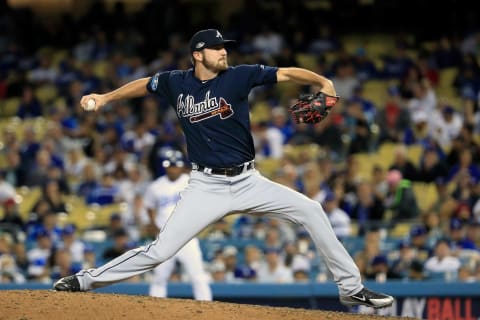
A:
[379,259]
[330,196]
[207,38]
[68,230]
[418,231]
[230,251]
[456,224]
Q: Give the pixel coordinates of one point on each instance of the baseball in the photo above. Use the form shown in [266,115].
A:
[90,105]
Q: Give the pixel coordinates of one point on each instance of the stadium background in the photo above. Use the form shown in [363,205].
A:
[58,50]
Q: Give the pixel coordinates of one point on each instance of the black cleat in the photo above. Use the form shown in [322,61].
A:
[69,283]
[367,298]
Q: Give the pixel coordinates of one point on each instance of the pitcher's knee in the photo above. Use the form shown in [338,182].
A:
[160,253]
[308,210]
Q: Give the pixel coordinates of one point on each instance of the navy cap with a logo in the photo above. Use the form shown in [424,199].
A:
[206,39]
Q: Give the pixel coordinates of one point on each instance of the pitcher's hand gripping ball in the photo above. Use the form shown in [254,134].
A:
[312,108]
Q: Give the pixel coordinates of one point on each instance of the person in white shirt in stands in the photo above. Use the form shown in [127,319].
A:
[273,270]
[442,260]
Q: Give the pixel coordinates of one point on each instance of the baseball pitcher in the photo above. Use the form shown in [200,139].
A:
[211,104]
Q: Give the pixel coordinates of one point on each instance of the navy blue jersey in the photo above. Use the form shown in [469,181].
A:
[214,114]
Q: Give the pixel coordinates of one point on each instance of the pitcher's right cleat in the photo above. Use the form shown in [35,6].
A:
[69,283]
[367,298]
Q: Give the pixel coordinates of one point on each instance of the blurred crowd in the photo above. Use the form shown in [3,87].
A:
[111,156]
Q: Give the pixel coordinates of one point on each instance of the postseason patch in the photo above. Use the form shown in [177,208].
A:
[154,82]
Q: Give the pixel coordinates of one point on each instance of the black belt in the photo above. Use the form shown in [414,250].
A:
[229,172]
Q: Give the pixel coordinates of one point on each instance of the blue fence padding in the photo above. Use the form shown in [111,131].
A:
[297,290]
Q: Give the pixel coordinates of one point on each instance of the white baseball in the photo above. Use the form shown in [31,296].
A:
[90,105]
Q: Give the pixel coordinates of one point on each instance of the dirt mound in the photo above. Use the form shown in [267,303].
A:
[51,305]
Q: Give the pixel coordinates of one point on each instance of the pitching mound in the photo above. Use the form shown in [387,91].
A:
[51,305]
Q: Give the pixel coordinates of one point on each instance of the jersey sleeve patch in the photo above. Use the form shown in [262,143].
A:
[153,83]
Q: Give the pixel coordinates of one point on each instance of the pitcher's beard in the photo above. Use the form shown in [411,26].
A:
[219,65]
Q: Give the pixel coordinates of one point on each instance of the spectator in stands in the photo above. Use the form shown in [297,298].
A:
[400,199]
[427,68]
[37,172]
[89,257]
[424,99]
[135,183]
[345,80]
[420,132]
[272,270]
[394,118]
[268,42]
[7,191]
[14,172]
[446,53]
[39,257]
[219,230]
[446,125]
[409,80]
[54,196]
[11,219]
[431,166]
[324,40]
[358,128]
[465,166]
[70,242]
[120,245]
[365,68]
[338,218]
[248,270]
[371,249]
[396,64]
[115,224]
[380,271]
[445,203]
[281,121]
[369,210]
[268,140]
[403,164]
[442,261]
[416,271]
[63,264]
[328,135]
[105,193]
[9,270]
[431,221]
[468,76]
[419,242]
[88,181]
[273,238]
[289,176]
[230,260]
[75,163]
[217,271]
[379,181]
[51,225]
[138,140]
[45,72]
[135,219]
[460,245]
[30,106]
[403,263]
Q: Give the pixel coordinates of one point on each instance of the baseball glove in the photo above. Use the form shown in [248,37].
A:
[312,108]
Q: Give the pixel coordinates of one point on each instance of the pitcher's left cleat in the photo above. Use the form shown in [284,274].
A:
[367,298]
[69,283]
